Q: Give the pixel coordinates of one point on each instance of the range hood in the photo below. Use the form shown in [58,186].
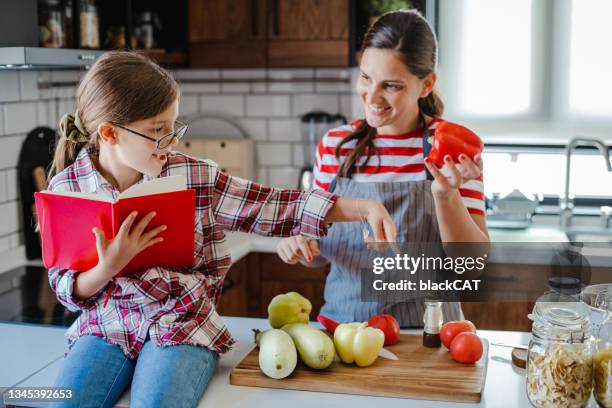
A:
[46,58]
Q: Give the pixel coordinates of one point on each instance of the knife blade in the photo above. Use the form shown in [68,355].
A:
[384,353]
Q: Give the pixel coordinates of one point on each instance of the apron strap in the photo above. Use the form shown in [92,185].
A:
[426,150]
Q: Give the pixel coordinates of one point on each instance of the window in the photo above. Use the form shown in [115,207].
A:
[528,62]
[495,64]
[590,73]
[543,173]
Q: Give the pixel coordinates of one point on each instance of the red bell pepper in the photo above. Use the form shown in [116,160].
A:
[452,139]
[329,324]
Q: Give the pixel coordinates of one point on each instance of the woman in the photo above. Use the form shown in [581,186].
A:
[384,157]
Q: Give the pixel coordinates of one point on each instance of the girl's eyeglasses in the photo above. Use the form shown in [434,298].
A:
[166,140]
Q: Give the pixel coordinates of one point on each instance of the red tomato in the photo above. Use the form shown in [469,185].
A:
[466,348]
[388,325]
[451,329]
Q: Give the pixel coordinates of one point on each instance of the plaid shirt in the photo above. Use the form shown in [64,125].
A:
[177,306]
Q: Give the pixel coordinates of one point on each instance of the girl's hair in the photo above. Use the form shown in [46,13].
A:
[121,87]
[409,34]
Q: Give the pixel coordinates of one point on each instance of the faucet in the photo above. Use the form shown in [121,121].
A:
[567,203]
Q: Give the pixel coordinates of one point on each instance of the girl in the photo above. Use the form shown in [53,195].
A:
[396,86]
[160,329]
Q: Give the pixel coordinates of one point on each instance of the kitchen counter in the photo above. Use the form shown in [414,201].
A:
[532,246]
[34,353]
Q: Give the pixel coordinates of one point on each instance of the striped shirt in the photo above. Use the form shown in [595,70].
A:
[177,306]
[399,158]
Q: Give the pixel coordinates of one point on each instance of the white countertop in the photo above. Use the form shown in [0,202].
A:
[28,350]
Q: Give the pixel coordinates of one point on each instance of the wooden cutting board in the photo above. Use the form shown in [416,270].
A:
[420,373]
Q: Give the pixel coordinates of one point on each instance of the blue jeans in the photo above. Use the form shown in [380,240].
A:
[99,373]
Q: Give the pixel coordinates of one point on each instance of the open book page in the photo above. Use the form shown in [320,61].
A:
[156,186]
[79,194]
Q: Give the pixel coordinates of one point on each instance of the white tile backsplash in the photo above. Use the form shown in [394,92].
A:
[268,106]
[262,176]
[288,74]
[269,111]
[285,130]
[274,154]
[28,85]
[189,104]
[11,185]
[257,129]
[3,186]
[200,88]
[9,151]
[291,87]
[284,177]
[298,155]
[66,106]
[5,243]
[334,87]
[243,73]
[306,103]
[232,105]
[16,239]
[235,87]
[342,73]
[9,86]
[9,217]
[259,87]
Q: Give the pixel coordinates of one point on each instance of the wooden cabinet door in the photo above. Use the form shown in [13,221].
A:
[308,33]
[278,277]
[233,301]
[227,34]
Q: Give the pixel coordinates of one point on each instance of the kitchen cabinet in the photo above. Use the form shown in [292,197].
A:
[235,157]
[258,277]
[253,281]
[308,33]
[269,33]
[227,33]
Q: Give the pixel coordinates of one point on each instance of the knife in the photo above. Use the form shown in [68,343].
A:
[518,346]
[384,353]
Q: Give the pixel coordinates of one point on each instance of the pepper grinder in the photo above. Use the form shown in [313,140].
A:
[433,323]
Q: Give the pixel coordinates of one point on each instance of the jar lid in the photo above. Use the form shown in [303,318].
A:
[561,317]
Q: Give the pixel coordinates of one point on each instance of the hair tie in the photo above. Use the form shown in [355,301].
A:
[72,128]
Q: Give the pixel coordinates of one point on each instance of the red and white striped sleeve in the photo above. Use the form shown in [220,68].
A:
[326,164]
[472,194]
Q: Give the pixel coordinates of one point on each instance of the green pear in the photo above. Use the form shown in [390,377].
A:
[288,308]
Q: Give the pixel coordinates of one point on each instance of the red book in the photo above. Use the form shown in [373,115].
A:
[67,218]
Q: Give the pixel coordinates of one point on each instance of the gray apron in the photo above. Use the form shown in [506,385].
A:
[411,205]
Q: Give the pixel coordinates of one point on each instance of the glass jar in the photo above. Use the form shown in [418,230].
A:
[50,24]
[89,34]
[599,299]
[560,357]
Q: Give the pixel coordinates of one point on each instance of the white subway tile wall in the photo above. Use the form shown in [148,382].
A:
[268,111]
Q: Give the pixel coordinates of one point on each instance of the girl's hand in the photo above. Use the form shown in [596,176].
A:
[297,249]
[115,254]
[452,176]
[379,219]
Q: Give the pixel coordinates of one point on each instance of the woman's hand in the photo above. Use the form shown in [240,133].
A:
[377,216]
[452,176]
[115,254]
[297,249]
